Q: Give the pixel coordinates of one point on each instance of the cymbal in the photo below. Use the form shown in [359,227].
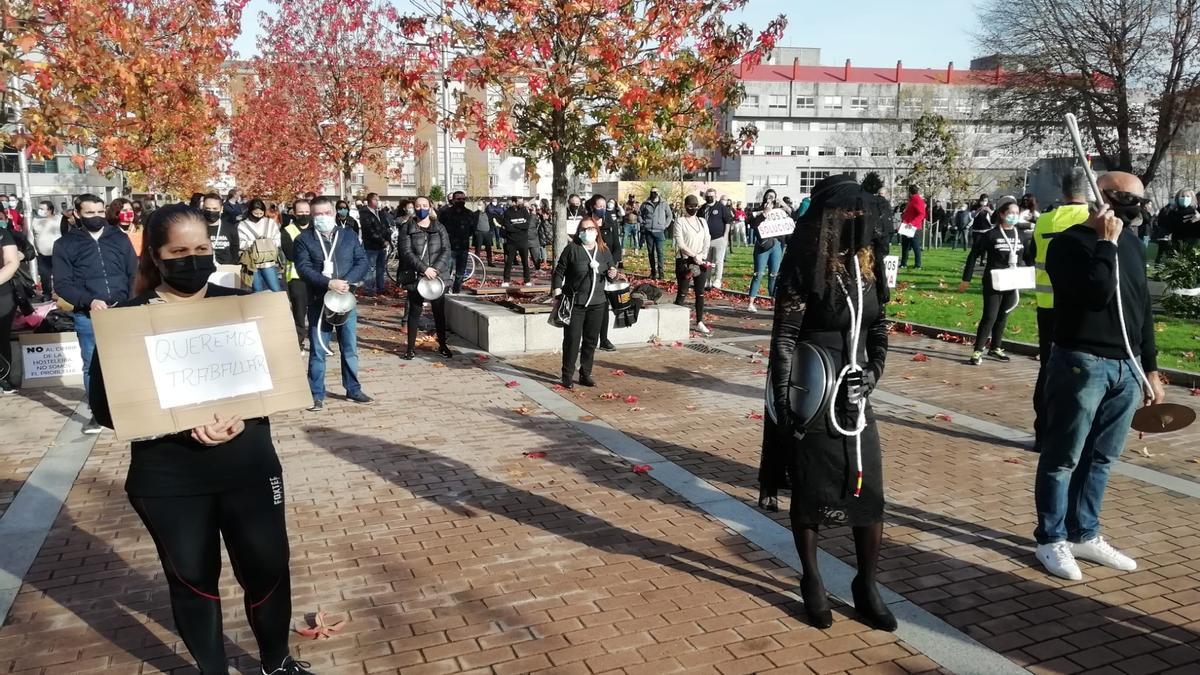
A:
[1163,417]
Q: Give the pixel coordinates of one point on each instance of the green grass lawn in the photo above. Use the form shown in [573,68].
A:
[930,296]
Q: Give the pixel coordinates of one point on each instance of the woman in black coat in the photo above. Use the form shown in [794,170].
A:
[424,250]
[830,301]
[610,234]
[579,279]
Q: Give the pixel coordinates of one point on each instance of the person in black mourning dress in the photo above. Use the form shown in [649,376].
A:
[831,296]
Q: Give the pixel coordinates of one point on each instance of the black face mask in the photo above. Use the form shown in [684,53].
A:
[691,210]
[187,274]
[708,199]
[211,216]
[302,221]
[94,223]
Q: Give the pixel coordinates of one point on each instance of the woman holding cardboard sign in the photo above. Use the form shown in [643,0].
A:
[1004,254]
[218,481]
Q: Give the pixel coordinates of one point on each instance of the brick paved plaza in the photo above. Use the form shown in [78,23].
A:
[420,520]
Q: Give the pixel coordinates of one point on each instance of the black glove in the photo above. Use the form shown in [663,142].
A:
[859,385]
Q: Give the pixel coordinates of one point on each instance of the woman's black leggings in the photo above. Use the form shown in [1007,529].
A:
[188,533]
[7,309]
[697,282]
[995,316]
[416,305]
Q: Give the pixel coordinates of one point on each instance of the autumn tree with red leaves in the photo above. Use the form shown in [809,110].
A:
[338,83]
[128,81]
[637,85]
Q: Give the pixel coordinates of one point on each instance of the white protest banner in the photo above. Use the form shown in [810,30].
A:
[53,359]
[207,364]
[778,223]
[891,268]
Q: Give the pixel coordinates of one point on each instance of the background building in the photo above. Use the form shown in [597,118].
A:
[816,120]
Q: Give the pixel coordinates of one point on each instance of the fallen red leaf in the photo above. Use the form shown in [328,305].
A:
[636,409]
[482,357]
[536,454]
[677,344]
[587,418]
[609,396]
[641,468]
[618,373]
[631,399]
[919,357]
[988,387]
[1196,391]
[522,410]
[760,372]
[559,387]
[322,627]
[1013,460]
[942,417]
[754,416]
[439,365]
[511,384]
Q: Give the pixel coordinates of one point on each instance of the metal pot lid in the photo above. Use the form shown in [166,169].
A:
[431,289]
[1163,417]
[339,303]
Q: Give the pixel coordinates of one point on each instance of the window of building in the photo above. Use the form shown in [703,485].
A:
[808,179]
[778,179]
[774,150]
[748,150]
[854,126]
[831,101]
[493,181]
[756,180]
[859,103]
[751,100]
[980,153]
[879,152]
[458,181]
[773,125]
[801,151]
[823,126]
[806,102]
[408,180]
[941,105]
[852,152]
[778,101]
[887,103]
[826,151]
[963,105]
[903,152]
[910,104]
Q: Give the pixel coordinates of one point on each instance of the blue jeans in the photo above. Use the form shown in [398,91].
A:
[87,346]
[266,279]
[460,268]
[376,281]
[770,258]
[1090,403]
[654,247]
[910,244]
[347,337]
[632,240]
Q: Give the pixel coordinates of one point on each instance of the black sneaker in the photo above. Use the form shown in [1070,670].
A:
[976,358]
[6,389]
[586,380]
[567,383]
[444,350]
[92,427]
[1000,355]
[408,355]
[359,398]
[291,666]
[317,406]
[608,346]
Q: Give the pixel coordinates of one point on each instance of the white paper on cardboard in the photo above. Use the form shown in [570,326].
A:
[778,223]
[208,364]
[891,268]
[55,359]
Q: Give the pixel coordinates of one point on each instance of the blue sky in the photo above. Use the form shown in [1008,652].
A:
[925,34]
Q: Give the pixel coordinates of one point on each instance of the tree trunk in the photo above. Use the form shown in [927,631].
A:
[558,193]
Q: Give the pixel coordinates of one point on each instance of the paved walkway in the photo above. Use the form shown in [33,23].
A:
[422,520]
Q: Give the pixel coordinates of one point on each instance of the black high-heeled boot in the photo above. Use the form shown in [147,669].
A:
[768,502]
[871,608]
[816,603]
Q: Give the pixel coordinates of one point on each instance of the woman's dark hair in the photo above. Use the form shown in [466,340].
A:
[115,207]
[256,203]
[49,206]
[1029,201]
[158,231]
[590,204]
[342,204]
[914,190]
[197,200]
[872,183]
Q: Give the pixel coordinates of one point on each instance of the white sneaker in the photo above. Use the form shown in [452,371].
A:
[1101,552]
[751,308]
[528,283]
[505,285]
[703,329]
[1057,560]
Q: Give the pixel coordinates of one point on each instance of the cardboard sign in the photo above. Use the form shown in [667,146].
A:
[777,224]
[891,268]
[229,276]
[207,364]
[50,359]
[573,226]
[171,366]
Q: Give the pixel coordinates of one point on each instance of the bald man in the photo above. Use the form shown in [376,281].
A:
[1092,383]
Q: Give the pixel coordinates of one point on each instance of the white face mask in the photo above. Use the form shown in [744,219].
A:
[42,212]
[324,223]
[588,237]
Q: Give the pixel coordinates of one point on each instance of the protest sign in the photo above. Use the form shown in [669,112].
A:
[171,366]
[891,268]
[50,360]
[778,223]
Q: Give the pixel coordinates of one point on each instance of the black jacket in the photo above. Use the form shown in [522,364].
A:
[994,244]
[610,232]
[718,216]
[87,269]
[1174,220]
[348,223]
[376,234]
[1081,269]
[460,223]
[573,274]
[518,228]
[420,248]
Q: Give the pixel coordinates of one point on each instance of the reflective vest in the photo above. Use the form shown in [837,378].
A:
[1046,228]
[289,270]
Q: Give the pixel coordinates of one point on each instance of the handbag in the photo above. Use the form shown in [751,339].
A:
[561,316]
[1013,279]
[409,278]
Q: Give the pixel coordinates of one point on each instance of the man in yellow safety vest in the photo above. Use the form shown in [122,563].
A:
[297,290]
[1073,212]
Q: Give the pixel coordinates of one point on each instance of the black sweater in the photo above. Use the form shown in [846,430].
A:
[998,251]
[1081,269]
[573,274]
